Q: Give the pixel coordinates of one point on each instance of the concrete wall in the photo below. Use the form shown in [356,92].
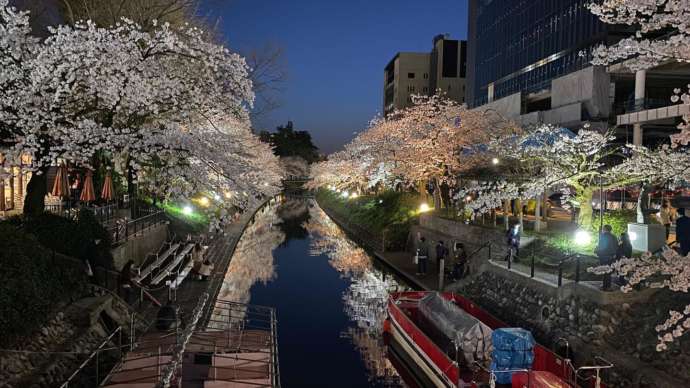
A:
[508,107]
[589,86]
[137,247]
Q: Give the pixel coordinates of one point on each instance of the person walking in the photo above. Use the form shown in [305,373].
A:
[606,251]
[422,256]
[441,254]
[683,232]
[666,217]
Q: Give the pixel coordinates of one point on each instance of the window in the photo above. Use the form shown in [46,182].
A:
[410,75]
[410,88]
[426,75]
[425,89]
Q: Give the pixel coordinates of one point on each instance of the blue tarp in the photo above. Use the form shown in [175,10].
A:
[513,349]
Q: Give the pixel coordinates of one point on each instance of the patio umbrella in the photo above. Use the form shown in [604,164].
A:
[107,192]
[87,192]
[60,186]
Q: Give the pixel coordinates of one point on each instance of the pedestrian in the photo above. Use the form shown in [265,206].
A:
[459,262]
[513,242]
[665,218]
[127,281]
[683,232]
[606,251]
[441,254]
[422,256]
[206,269]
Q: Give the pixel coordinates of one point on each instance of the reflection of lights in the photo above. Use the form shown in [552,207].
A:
[423,208]
[582,237]
[187,210]
[345,194]
[216,196]
[468,198]
[228,195]
[633,236]
[495,161]
[380,201]
[203,201]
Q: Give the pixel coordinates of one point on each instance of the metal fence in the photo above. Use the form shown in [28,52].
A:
[122,230]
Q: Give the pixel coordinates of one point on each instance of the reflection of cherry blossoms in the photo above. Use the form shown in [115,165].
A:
[364,300]
[253,258]
[329,240]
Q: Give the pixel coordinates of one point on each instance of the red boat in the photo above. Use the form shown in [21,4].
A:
[405,325]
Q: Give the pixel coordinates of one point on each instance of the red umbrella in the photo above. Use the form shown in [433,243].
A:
[107,192]
[60,186]
[87,192]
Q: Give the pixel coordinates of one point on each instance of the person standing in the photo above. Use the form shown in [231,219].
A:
[683,232]
[422,256]
[441,254]
[665,218]
[624,248]
[460,262]
[513,242]
[606,252]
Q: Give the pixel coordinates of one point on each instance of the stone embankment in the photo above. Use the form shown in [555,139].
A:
[49,356]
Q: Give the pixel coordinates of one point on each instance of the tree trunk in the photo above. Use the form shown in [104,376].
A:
[584,197]
[132,192]
[437,195]
[36,190]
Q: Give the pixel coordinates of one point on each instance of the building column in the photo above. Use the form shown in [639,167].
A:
[640,85]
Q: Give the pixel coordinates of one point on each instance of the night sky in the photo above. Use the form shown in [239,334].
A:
[335,52]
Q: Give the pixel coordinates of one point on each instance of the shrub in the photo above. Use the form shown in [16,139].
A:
[84,239]
[32,282]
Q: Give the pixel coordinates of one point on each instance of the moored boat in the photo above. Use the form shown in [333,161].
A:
[428,341]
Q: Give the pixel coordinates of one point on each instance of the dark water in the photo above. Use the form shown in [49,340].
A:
[328,294]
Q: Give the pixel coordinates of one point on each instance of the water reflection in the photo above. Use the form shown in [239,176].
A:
[365,298]
[330,298]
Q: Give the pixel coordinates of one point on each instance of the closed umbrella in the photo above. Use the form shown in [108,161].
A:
[61,185]
[87,192]
[107,192]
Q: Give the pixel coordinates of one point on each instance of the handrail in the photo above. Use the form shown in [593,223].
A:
[91,356]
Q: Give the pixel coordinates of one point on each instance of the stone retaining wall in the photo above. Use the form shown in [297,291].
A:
[622,332]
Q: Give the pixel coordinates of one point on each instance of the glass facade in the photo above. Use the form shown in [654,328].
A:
[521,45]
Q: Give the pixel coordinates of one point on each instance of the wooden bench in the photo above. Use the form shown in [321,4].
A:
[165,272]
[159,260]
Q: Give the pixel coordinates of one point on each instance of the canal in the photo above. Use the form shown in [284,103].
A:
[329,296]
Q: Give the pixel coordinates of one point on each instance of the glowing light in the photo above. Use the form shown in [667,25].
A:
[380,201]
[203,201]
[228,195]
[468,198]
[423,208]
[187,210]
[354,195]
[633,236]
[495,161]
[216,196]
[345,194]
[582,237]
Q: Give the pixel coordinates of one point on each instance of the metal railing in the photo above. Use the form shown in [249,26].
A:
[122,231]
[95,354]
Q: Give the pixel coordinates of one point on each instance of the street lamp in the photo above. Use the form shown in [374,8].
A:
[203,201]
[345,194]
[582,237]
[424,207]
[187,210]
[495,161]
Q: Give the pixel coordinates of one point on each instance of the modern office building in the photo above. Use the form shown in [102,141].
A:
[529,60]
[409,74]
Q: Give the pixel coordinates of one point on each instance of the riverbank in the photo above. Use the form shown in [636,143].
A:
[614,325]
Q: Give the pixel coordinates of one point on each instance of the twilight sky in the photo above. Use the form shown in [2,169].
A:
[335,52]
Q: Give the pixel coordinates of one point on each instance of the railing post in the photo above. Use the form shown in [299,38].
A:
[510,257]
[560,274]
[577,268]
[441,269]
[531,270]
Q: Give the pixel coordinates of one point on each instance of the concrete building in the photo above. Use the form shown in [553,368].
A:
[409,74]
[529,61]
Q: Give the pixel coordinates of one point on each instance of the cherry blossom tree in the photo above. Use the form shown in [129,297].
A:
[663,35]
[670,271]
[164,99]
[432,141]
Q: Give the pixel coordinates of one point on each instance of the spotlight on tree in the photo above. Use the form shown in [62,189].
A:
[582,237]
